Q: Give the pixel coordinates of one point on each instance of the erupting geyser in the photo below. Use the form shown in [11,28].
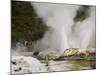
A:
[64,39]
[73,25]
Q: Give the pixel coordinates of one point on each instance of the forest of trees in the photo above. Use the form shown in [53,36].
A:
[25,23]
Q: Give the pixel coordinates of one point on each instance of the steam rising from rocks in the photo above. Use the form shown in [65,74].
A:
[65,31]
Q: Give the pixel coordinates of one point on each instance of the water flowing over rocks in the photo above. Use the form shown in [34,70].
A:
[51,61]
[23,64]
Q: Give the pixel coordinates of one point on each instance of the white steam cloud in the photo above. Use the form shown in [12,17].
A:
[60,19]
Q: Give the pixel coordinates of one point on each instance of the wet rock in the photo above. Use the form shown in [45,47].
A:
[51,54]
[13,62]
[18,69]
[36,53]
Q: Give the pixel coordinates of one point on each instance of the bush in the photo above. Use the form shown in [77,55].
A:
[26,24]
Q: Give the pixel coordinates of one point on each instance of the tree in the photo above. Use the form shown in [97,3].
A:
[25,23]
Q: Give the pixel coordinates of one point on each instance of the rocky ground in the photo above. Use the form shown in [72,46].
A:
[25,62]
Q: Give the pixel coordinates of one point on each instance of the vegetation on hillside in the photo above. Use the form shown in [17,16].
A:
[25,23]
